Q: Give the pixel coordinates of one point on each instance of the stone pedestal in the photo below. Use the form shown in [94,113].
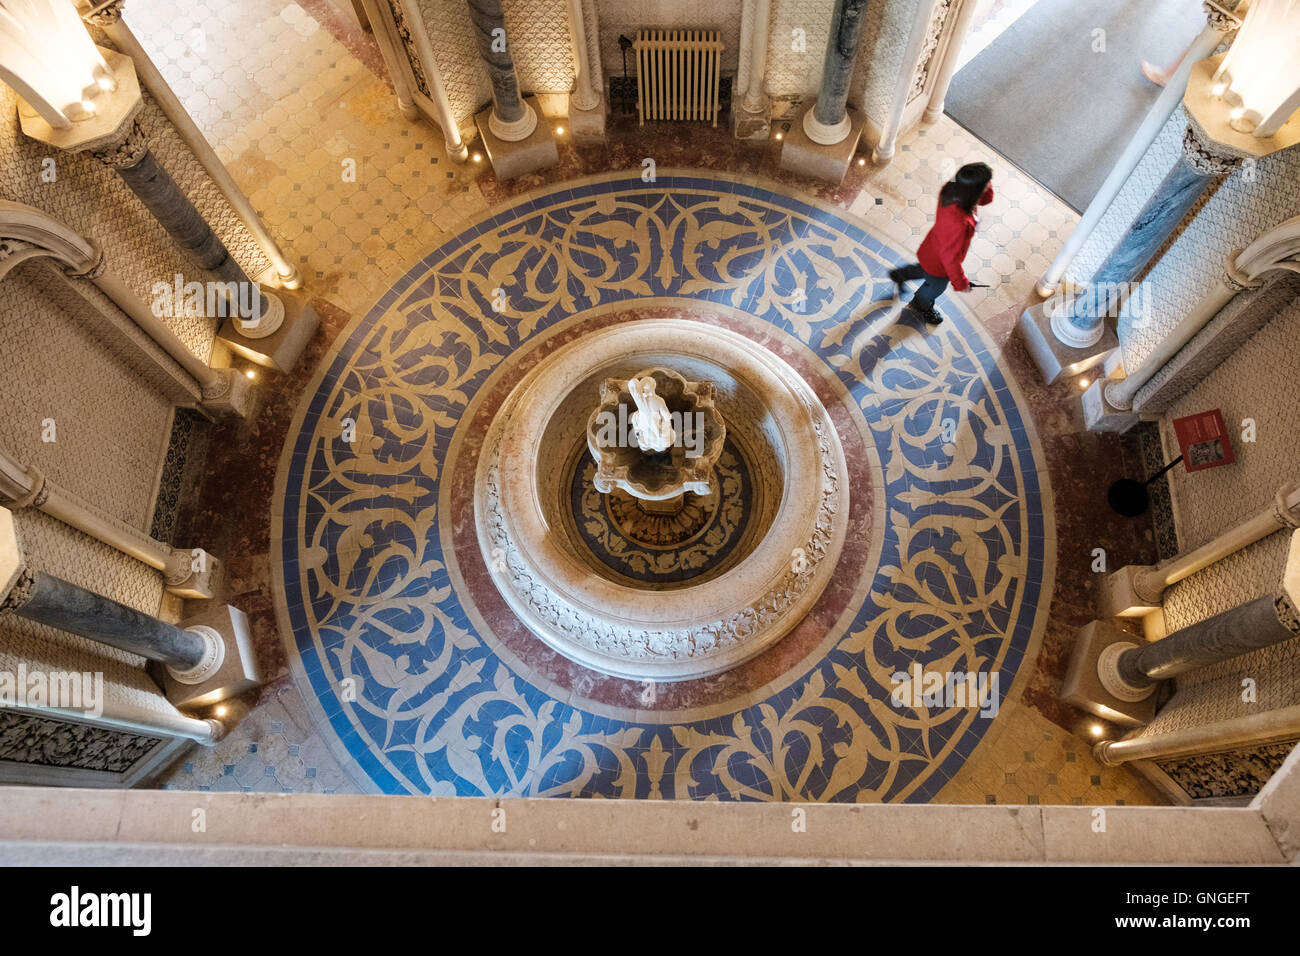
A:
[587,127]
[1100,415]
[512,159]
[230,394]
[282,348]
[801,155]
[751,126]
[1122,594]
[1083,687]
[1055,359]
[237,671]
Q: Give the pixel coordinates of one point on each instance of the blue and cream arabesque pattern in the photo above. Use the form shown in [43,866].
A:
[422,702]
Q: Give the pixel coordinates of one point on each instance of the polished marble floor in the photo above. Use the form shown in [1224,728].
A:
[298,89]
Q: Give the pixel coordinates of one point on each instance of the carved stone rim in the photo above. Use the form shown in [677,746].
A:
[690,632]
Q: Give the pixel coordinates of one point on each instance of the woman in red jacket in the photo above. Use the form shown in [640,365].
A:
[944,247]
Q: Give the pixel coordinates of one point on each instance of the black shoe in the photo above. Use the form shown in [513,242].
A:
[930,316]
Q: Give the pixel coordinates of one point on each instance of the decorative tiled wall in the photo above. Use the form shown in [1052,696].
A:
[880,58]
[794,68]
[1236,773]
[110,425]
[1258,381]
[25,738]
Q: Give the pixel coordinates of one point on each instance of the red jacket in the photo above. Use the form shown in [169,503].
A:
[945,245]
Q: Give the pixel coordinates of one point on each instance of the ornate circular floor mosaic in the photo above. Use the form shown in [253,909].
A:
[403,647]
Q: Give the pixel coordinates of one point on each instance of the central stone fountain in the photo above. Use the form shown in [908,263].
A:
[663,450]
[661,500]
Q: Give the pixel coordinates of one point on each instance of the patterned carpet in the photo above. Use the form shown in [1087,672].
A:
[399,642]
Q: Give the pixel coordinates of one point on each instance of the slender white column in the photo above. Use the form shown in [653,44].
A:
[380,17]
[456,147]
[1284,513]
[1164,106]
[1270,726]
[132,718]
[224,388]
[951,57]
[32,233]
[884,150]
[22,486]
[586,95]
[755,100]
[110,19]
[1136,590]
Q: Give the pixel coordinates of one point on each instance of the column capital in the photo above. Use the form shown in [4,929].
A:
[20,590]
[21,486]
[190,575]
[1206,156]
[1218,18]
[125,150]
[105,14]
[15,579]
[1285,509]
[95,268]
[1235,279]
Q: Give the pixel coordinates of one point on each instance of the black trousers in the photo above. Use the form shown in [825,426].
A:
[933,287]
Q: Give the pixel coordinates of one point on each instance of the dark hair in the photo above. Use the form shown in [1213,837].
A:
[967,187]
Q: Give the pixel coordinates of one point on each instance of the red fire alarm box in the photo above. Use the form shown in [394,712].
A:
[1203,440]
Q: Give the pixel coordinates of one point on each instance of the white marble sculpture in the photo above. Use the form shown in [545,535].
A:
[651,423]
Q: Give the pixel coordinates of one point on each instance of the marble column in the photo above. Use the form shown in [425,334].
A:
[586,102]
[208,658]
[60,604]
[512,119]
[135,164]
[1080,324]
[827,123]
[749,117]
[1262,622]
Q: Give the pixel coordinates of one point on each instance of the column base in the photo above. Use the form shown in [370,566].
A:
[238,671]
[1083,687]
[281,349]
[513,159]
[1055,359]
[587,127]
[187,583]
[1119,597]
[799,154]
[755,126]
[233,398]
[1101,416]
